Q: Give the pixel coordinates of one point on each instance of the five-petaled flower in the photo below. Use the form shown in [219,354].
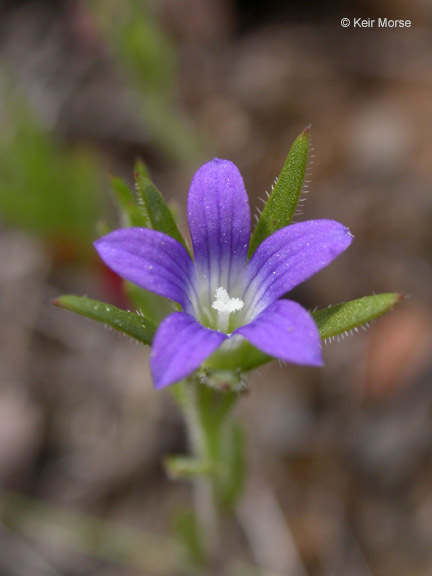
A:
[225,297]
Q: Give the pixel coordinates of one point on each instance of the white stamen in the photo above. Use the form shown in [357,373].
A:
[224,304]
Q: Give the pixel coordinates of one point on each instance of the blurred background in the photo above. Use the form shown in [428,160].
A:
[340,459]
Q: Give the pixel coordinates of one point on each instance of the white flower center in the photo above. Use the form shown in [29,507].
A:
[224,305]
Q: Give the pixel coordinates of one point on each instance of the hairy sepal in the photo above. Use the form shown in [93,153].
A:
[282,202]
[133,325]
[341,318]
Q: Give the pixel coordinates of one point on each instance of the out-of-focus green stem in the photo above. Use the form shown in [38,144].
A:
[206,507]
[216,464]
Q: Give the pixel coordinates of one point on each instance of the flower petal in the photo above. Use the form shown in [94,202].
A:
[287,331]
[179,347]
[289,257]
[219,222]
[150,259]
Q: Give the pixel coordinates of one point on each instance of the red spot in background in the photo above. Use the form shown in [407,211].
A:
[113,289]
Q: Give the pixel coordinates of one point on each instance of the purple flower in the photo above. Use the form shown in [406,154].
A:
[224,296]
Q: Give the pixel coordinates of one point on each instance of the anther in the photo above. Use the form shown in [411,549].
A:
[225,305]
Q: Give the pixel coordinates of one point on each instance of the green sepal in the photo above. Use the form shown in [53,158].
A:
[133,325]
[134,214]
[236,355]
[347,316]
[282,202]
[153,204]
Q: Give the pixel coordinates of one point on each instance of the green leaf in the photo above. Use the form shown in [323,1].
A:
[131,324]
[343,317]
[135,215]
[154,205]
[184,467]
[281,204]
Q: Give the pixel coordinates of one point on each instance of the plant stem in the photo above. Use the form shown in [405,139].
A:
[206,509]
